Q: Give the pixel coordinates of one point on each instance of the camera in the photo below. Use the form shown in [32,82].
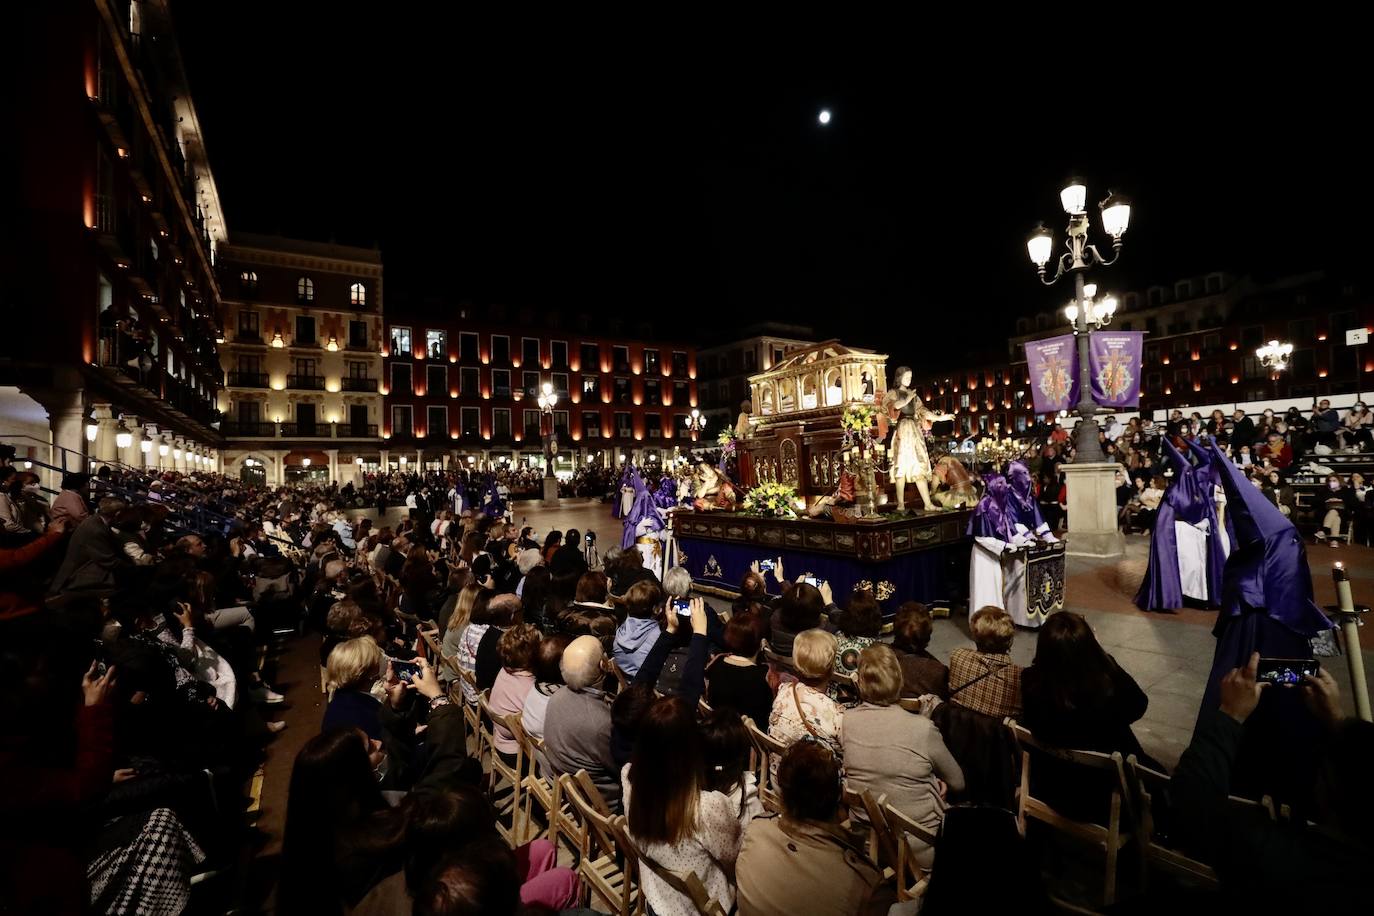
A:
[589,538]
[1286,672]
[766,565]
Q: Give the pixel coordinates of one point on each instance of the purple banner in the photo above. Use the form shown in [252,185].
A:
[1053,367]
[1114,358]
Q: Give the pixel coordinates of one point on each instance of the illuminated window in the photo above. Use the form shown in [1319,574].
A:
[305,290]
[358,295]
[400,341]
[436,344]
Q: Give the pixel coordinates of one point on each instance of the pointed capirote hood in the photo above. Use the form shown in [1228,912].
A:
[1267,569]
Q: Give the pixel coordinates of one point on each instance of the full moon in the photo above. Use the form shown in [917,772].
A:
[825,116]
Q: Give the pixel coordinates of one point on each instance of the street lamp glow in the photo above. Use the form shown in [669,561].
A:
[305,462]
[824,116]
[1039,244]
[92,430]
[1074,197]
[1116,214]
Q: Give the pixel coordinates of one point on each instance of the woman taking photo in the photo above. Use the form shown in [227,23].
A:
[736,681]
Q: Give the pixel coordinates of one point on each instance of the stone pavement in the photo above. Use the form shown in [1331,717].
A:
[1169,655]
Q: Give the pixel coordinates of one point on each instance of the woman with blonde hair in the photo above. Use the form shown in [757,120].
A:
[897,753]
[457,623]
[802,709]
[353,667]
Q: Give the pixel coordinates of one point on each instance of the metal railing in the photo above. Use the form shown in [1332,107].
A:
[306,382]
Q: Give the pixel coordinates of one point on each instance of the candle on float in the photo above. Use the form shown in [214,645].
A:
[1343,595]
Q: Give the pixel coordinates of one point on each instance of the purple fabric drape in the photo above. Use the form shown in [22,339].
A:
[1189,499]
[640,509]
[1024,508]
[993,516]
[665,497]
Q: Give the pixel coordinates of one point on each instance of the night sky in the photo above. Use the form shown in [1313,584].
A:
[687,175]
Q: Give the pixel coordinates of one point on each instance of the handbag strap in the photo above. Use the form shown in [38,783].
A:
[968,684]
[802,715]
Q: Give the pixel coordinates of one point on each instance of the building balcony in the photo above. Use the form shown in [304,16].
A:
[305,382]
[358,346]
[358,384]
[249,429]
[315,430]
[248,337]
[248,380]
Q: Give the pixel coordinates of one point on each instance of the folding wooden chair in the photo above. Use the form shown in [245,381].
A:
[609,868]
[541,788]
[472,715]
[769,749]
[911,878]
[1112,837]
[504,782]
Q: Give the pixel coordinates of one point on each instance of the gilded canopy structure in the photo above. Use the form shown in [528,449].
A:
[815,384]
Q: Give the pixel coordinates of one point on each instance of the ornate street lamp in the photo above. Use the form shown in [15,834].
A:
[1080,256]
[1274,357]
[547,399]
[695,423]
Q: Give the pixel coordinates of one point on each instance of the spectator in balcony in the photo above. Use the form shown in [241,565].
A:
[1325,424]
[1354,434]
[71,502]
[1242,429]
[1216,424]
[1278,452]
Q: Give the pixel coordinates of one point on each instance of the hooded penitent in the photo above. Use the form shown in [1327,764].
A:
[1024,508]
[1189,499]
[993,516]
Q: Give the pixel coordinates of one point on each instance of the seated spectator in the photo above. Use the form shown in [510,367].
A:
[552,541]
[482,878]
[548,680]
[536,598]
[1354,432]
[95,557]
[503,612]
[516,647]
[626,571]
[569,558]
[639,631]
[1268,864]
[725,750]
[800,607]
[922,673]
[672,817]
[471,639]
[577,725]
[736,681]
[461,824]
[71,502]
[1339,508]
[525,562]
[1323,426]
[858,628]
[802,861]
[1076,696]
[802,708]
[753,589]
[353,668]
[897,753]
[984,678]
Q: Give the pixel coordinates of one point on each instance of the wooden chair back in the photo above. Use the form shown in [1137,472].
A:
[687,884]
[505,781]
[1121,819]
[769,751]
[911,878]
[609,868]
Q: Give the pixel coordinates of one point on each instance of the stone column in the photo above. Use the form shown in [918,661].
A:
[1093,528]
[165,461]
[104,449]
[179,446]
[131,454]
[278,475]
[148,458]
[67,427]
[381,462]
[333,454]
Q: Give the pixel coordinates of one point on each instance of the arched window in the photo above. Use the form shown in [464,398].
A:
[248,279]
[305,290]
[358,295]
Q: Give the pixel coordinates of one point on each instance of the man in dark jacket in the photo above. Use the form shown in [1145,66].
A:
[569,558]
[95,555]
[1242,430]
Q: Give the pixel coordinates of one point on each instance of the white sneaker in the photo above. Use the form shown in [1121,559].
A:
[264,694]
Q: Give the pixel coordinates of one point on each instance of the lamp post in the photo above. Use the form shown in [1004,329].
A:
[547,399]
[1080,256]
[695,423]
[1274,357]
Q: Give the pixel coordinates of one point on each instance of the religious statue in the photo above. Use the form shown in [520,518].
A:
[742,422]
[713,490]
[959,488]
[910,461]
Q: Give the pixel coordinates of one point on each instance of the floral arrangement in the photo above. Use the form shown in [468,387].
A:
[884,590]
[774,500]
[726,441]
[858,418]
